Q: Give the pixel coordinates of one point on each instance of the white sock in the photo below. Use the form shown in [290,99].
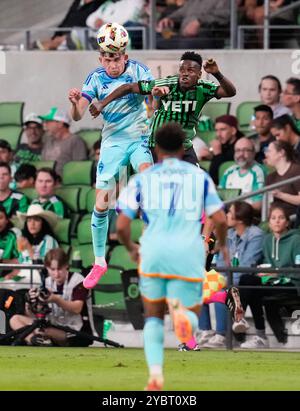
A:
[100,261]
[156,370]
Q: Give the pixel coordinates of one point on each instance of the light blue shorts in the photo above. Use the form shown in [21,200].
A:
[114,160]
[156,288]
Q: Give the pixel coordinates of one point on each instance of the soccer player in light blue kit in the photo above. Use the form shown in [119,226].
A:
[124,138]
[171,196]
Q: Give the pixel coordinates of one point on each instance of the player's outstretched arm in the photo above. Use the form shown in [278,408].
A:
[96,108]
[226,89]
[219,221]
[78,104]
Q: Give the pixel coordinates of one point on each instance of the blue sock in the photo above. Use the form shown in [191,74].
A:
[99,226]
[154,341]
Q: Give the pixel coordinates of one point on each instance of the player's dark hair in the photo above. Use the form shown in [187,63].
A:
[283,121]
[273,78]
[295,82]
[191,55]
[170,137]
[264,108]
[243,212]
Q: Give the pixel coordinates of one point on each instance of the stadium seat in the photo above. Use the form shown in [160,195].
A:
[12,134]
[84,233]
[228,193]
[62,231]
[90,200]
[29,192]
[78,173]
[11,113]
[90,136]
[244,113]
[206,136]
[205,164]
[216,109]
[223,167]
[71,196]
[43,163]
[119,257]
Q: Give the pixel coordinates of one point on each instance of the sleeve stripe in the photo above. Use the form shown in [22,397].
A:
[87,96]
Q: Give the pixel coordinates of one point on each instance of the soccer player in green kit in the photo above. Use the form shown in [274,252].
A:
[178,98]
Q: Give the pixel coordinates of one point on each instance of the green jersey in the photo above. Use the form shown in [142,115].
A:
[183,107]
[54,204]
[297,122]
[8,245]
[15,202]
[25,154]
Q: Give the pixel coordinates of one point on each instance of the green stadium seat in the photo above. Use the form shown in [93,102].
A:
[223,167]
[228,193]
[62,231]
[90,136]
[205,164]
[78,173]
[244,113]
[29,192]
[84,233]
[43,163]
[90,200]
[216,109]
[11,113]
[12,134]
[71,196]
[119,257]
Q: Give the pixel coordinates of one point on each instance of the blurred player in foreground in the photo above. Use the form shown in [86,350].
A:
[171,197]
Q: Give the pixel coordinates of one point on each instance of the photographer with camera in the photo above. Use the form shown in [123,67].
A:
[62,302]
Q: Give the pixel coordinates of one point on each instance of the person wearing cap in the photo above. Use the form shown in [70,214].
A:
[61,146]
[37,235]
[12,201]
[34,132]
[222,148]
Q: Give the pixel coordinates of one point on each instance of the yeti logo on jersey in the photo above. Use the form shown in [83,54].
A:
[180,106]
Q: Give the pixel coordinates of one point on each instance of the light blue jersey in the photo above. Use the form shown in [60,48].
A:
[172,197]
[125,119]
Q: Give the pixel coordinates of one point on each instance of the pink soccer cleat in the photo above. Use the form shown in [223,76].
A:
[155,383]
[91,280]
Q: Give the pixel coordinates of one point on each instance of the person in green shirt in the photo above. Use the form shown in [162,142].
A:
[178,98]
[12,201]
[8,243]
[45,185]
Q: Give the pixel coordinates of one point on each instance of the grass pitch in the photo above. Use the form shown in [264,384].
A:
[103,369]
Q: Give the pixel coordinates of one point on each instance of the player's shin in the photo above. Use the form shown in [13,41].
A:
[154,351]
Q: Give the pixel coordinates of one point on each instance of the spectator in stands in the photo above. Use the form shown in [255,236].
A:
[34,132]
[6,156]
[37,235]
[280,155]
[69,301]
[75,17]
[61,146]
[246,174]
[126,12]
[284,129]
[291,98]
[12,201]
[222,148]
[45,184]
[8,243]
[263,136]
[280,248]
[270,91]
[25,176]
[244,242]
[197,22]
